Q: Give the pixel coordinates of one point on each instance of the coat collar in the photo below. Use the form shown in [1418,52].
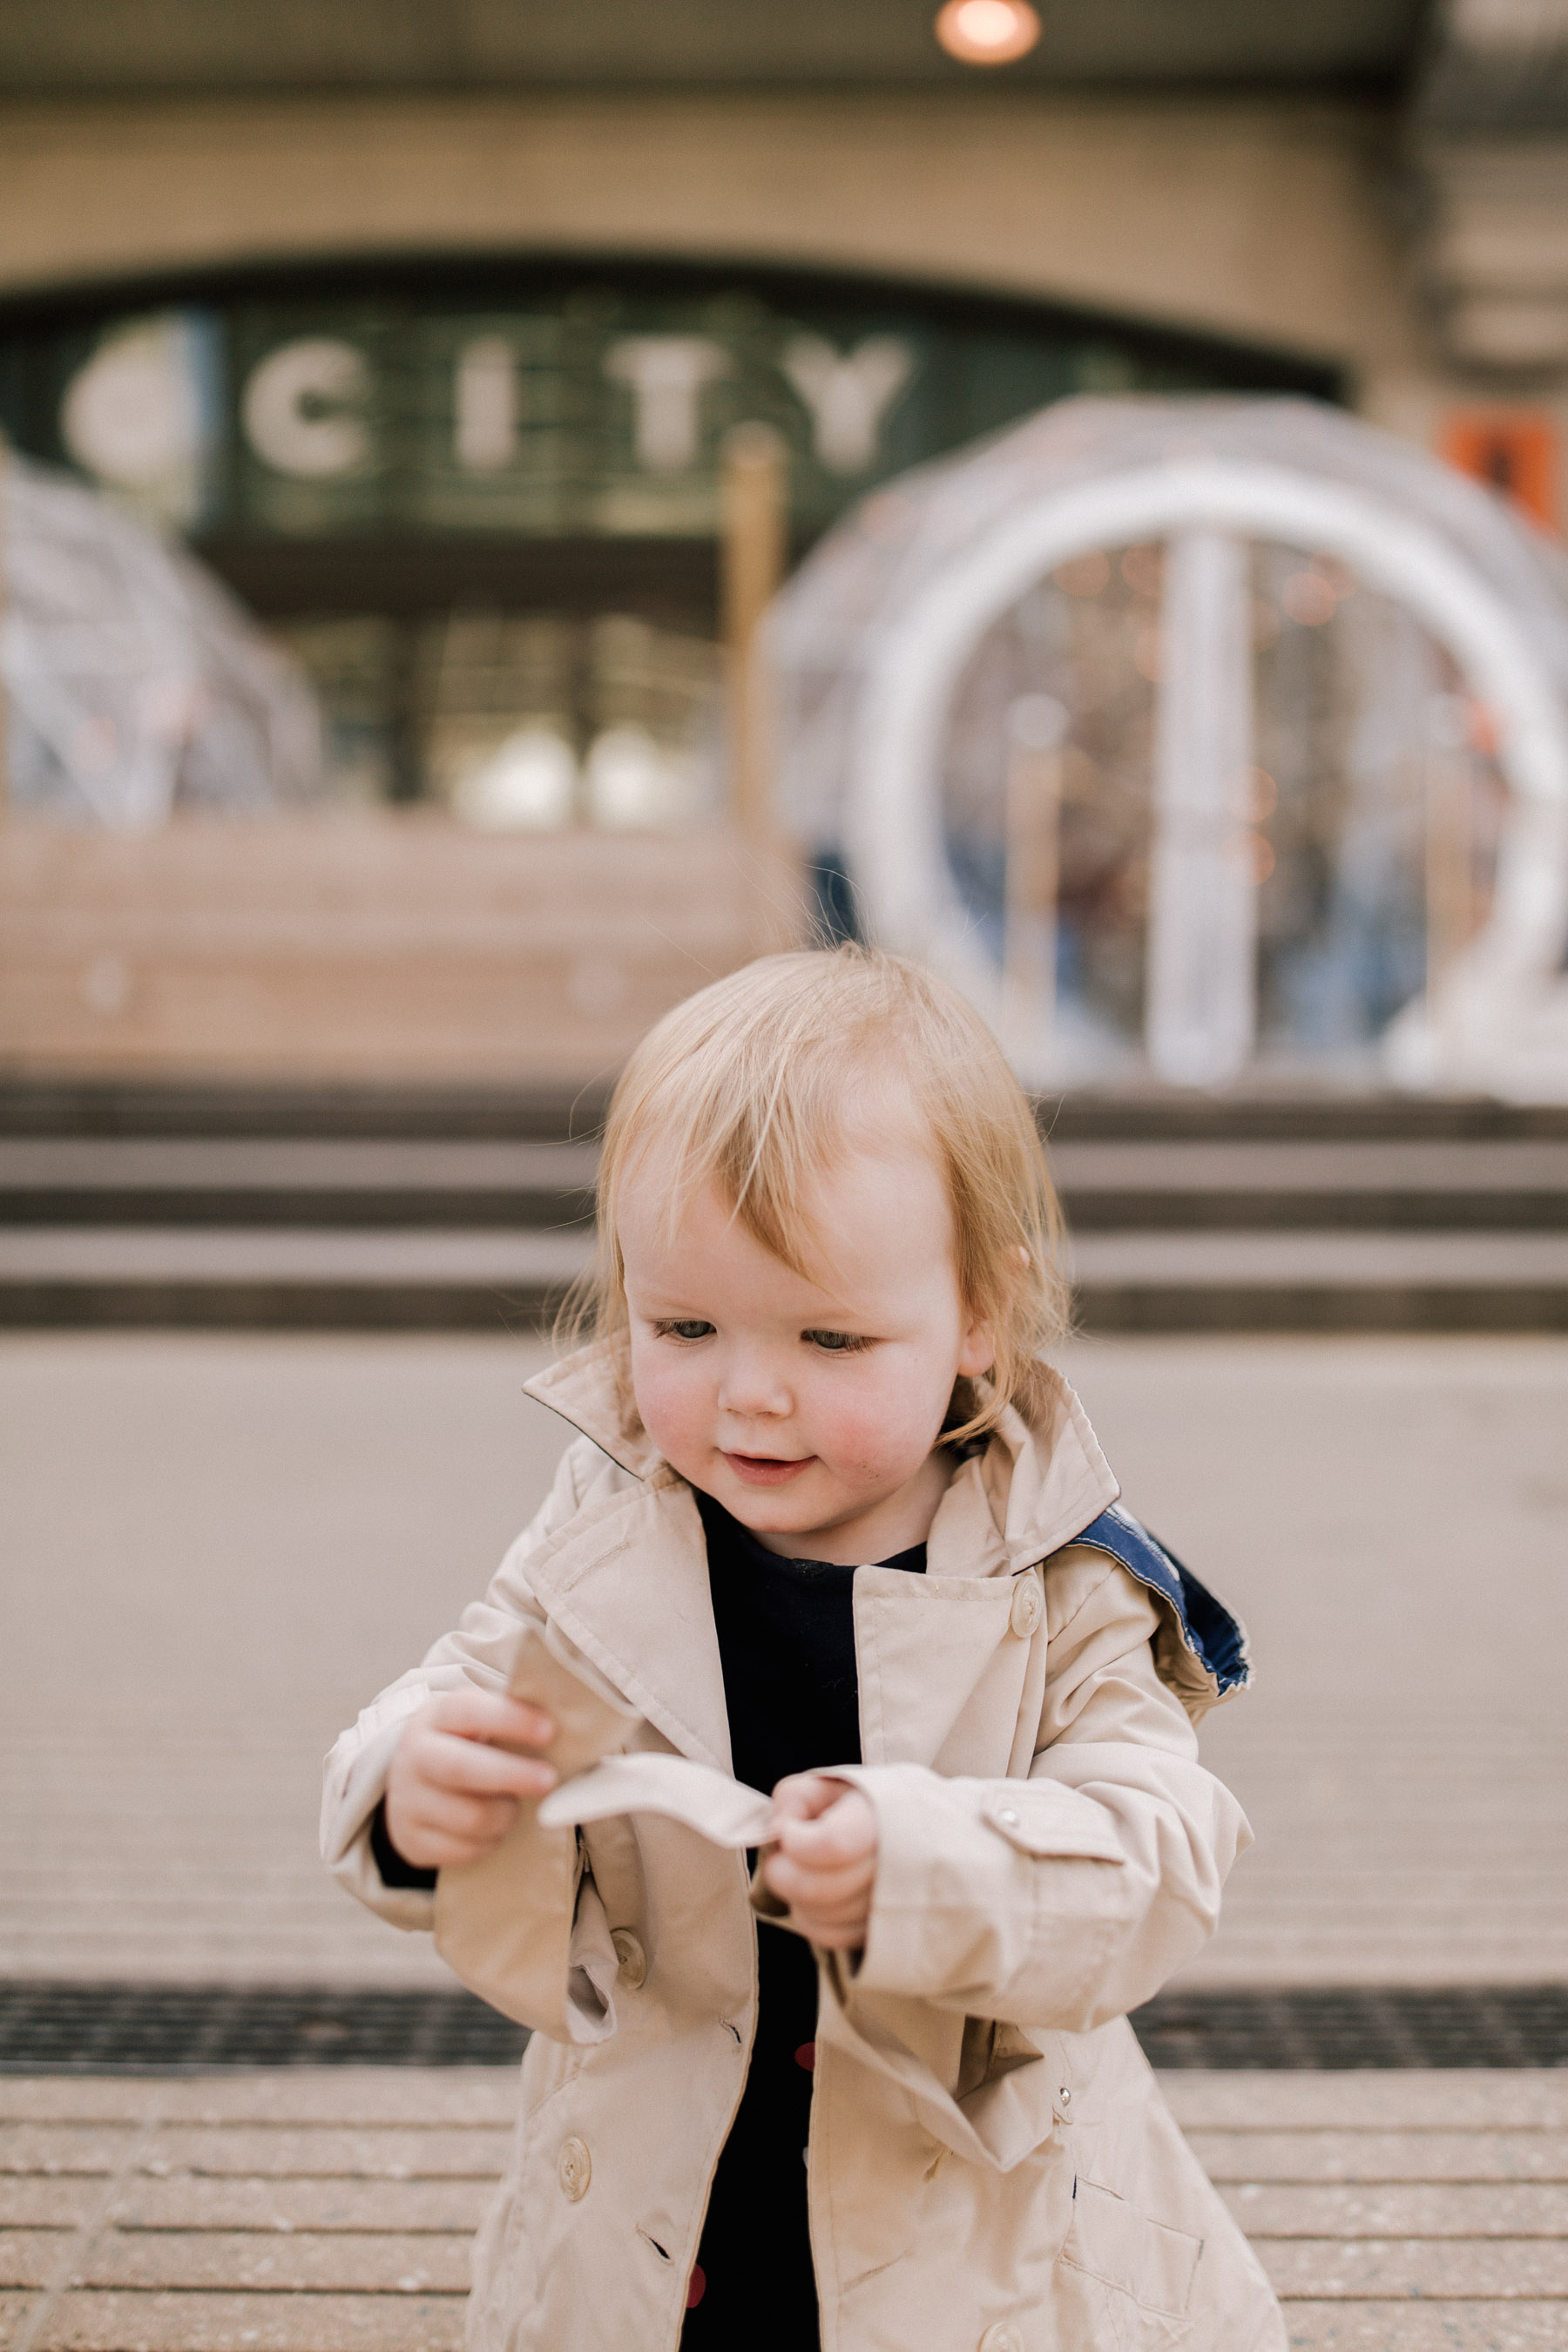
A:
[625,1581]
[584,1390]
[1034,1487]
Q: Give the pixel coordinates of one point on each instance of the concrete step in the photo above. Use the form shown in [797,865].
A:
[228,1181]
[306,2209]
[356,1207]
[63,1106]
[1321,1281]
[1512,1185]
[490,1277]
[487,1279]
[1233,1184]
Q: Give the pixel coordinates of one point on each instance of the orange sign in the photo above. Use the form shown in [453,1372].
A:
[1512,451]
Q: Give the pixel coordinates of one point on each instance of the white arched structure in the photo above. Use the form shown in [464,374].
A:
[131,682]
[1483,585]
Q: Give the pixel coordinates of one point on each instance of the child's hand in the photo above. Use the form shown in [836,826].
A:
[459,1773]
[825,1860]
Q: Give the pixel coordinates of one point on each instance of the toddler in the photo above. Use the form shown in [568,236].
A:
[831,1528]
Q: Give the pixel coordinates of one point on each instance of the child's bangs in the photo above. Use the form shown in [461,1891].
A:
[749,1086]
[757,1135]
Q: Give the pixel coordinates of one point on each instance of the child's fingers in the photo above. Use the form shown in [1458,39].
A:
[837,1922]
[819,1890]
[442,1850]
[845,1833]
[435,1828]
[824,1862]
[827,1869]
[477,1821]
[459,1773]
[494,1717]
[804,1795]
[474,1767]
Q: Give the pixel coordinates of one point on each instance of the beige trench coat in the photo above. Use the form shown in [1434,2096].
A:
[992,2167]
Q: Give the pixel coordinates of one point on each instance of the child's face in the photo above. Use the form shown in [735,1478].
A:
[809,1408]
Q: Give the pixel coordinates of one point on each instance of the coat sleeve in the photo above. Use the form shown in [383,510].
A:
[1067,1899]
[481,1651]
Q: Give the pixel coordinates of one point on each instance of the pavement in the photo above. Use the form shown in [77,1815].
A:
[219,1546]
[1390,1517]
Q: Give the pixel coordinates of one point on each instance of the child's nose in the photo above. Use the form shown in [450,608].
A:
[750,1384]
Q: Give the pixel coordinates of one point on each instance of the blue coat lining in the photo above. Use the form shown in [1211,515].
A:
[1208,1630]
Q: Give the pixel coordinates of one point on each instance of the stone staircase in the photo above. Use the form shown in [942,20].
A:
[1325,1215]
[147,1204]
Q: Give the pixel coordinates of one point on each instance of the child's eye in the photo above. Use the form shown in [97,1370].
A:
[837,1343]
[689,1326]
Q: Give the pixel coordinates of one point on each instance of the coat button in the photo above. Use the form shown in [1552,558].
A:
[1027,1605]
[573,2169]
[1002,2338]
[632,1958]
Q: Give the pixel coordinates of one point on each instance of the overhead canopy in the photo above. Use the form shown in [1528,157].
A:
[162,46]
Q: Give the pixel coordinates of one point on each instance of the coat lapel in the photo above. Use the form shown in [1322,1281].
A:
[942,1674]
[628,1584]
[627,1579]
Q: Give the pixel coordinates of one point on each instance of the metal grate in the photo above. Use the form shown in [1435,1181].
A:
[140,2029]
[1328,2027]
[174,2029]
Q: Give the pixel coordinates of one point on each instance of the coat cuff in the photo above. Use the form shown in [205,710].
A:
[355,1786]
[964,1888]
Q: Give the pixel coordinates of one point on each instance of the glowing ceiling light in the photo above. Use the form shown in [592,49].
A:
[987,32]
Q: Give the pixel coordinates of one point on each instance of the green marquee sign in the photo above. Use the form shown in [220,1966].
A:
[540,403]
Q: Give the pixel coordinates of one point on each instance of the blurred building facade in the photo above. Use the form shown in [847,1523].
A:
[426,327]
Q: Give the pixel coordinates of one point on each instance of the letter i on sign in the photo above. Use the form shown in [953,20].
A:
[484,405]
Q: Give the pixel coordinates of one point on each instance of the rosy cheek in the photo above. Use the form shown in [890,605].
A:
[669,1398]
[876,1434]
[860,1440]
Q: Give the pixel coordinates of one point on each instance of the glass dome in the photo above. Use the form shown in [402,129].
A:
[133,683]
[1198,738]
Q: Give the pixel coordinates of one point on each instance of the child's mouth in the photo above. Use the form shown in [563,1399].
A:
[766,1469]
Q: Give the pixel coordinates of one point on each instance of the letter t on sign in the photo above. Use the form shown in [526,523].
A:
[667,374]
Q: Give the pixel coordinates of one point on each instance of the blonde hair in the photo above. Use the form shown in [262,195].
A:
[751,1082]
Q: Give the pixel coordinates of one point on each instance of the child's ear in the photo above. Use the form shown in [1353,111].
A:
[978,1351]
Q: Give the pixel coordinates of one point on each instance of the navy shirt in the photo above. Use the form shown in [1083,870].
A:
[786,1642]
